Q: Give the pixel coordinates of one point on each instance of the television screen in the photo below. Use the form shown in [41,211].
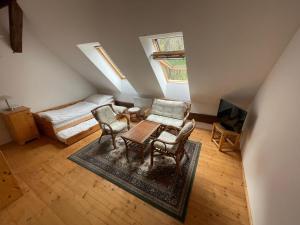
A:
[230,116]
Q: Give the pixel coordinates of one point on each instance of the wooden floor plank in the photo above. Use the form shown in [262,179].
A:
[58,191]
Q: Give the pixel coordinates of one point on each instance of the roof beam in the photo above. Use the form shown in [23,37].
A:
[168,55]
[4,3]
[15,26]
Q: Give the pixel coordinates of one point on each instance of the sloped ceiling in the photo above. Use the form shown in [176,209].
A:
[231,45]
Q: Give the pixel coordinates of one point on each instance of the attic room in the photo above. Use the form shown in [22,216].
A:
[149,112]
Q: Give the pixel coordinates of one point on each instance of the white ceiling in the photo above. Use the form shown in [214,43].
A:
[230,45]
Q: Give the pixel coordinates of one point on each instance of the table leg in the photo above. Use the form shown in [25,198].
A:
[142,154]
[127,149]
[221,142]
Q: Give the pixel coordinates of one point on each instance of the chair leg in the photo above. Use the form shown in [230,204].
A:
[187,155]
[99,140]
[221,143]
[142,156]
[178,169]
[151,161]
[113,137]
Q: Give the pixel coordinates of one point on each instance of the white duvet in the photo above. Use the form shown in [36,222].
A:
[70,132]
[68,113]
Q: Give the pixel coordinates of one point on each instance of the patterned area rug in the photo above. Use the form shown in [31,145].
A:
[159,186]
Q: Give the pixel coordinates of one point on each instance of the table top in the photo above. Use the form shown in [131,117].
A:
[16,110]
[141,132]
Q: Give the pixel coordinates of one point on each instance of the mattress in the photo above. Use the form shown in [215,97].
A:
[68,113]
[64,123]
[72,131]
[118,109]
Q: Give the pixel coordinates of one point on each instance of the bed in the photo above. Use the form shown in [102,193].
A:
[71,122]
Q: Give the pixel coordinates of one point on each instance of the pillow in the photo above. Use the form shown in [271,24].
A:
[186,128]
[172,109]
[119,109]
[100,99]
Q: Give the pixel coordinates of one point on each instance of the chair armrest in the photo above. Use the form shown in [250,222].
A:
[106,124]
[122,116]
[157,140]
[146,112]
[186,116]
[171,128]
[164,142]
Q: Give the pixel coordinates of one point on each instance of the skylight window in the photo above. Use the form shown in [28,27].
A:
[107,58]
[170,53]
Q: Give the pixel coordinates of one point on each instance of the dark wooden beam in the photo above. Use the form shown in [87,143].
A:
[126,104]
[203,118]
[4,3]
[168,55]
[15,26]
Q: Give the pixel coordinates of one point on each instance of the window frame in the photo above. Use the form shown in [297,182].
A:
[108,59]
[163,64]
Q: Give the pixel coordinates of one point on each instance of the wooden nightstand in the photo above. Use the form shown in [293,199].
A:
[21,124]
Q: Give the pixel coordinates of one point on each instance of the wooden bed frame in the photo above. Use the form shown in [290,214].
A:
[46,127]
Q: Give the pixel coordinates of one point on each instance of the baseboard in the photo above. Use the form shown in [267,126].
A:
[247,196]
[126,104]
[203,118]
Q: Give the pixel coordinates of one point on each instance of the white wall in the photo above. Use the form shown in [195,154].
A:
[128,93]
[178,91]
[271,154]
[89,50]
[35,78]
[148,47]
[231,45]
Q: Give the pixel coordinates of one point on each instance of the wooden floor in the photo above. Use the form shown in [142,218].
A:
[58,191]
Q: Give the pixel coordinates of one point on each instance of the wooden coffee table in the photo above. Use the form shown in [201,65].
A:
[138,135]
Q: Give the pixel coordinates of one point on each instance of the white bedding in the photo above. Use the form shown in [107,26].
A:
[63,123]
[61,117]
[70,132]
[68,113]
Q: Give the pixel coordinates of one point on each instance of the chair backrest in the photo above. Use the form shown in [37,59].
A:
[142,102]
[169,108]
[105,114]
[186,130]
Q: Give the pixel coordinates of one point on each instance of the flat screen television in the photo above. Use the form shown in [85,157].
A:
[230,116]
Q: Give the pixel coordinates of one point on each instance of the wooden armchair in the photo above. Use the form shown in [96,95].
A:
[172,145]
[110,122]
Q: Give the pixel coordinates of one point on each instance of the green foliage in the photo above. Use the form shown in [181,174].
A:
[175,68]
[178,75]
[170,44]
[176,62]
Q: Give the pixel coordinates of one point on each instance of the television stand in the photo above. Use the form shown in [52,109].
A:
[225,139]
